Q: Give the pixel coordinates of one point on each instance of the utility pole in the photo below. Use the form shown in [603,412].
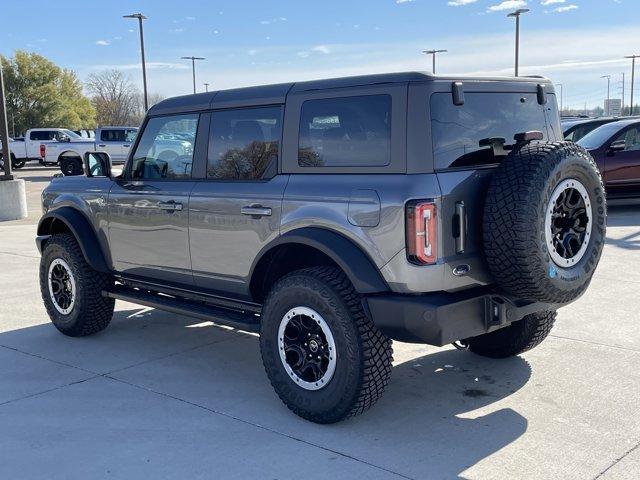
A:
[561,98]
[633,78]
[193,68]
[140,18]
[622,109]
[517,14]
[206,87]
[608,77]
[4,133]
[433,53]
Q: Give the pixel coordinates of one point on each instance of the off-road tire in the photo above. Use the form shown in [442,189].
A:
[517,201]
[71,166]
[515,339]
[91,312]
[17,164]
[364,354]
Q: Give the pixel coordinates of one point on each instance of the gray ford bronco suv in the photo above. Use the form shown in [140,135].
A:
[332,217]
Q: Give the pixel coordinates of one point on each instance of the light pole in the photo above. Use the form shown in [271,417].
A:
[561,97]
[193,68]
[434,53]
[206,87]
[4,133]
[517,14]
[140,18]
[608,77]
[633,78]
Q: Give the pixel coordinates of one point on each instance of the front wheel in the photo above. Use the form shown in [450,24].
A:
[324,357]
[515,339]
[72,290]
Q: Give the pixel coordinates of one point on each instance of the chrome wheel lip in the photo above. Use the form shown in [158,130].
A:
[328,374]
[61,263]
[567,184]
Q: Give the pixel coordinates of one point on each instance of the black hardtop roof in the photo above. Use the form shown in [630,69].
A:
[276,93]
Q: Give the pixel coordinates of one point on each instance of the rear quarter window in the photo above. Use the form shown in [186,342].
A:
[462,134]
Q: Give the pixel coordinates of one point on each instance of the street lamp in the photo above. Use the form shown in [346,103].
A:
[206,87]
[517,14]
[608,77]
[140,18]
[633,77]
[193,68]
[434,53]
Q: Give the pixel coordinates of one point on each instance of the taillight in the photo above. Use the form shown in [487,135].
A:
[421,233]
[43,151]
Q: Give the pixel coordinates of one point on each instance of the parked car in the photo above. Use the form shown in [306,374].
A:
[68,152]
[84,133]
[332,217]
[616,149]
[574,130]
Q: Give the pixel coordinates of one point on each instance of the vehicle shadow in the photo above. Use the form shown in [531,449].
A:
[429,423]
[624,216]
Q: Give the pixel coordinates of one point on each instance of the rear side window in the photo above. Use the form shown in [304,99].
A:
[112,135]
[166,148]
[470,135]
[244,143]
[345,132]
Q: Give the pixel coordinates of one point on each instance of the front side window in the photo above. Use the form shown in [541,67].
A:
[345,132]
[474,133]
[631,139]
[244,143]
[166,148]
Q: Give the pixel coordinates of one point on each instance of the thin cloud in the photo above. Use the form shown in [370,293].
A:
[136,66]
[460,3]
[102,43]
[507,5]
[568,8]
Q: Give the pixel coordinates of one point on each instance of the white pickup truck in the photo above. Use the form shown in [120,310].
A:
[31,146]
[68,152]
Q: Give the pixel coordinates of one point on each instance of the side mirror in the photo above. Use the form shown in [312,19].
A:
[64,138]
[97,164]
[617,146]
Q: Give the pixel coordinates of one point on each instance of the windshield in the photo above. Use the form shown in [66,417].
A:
[597,137]
[70,133]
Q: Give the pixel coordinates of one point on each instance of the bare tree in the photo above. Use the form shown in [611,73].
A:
[115,98]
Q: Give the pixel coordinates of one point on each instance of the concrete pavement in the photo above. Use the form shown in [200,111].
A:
[162,396]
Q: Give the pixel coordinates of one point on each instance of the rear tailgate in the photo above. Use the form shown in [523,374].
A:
[468,144]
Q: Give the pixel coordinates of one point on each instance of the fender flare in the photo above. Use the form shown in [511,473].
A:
[354,262]
[81,229]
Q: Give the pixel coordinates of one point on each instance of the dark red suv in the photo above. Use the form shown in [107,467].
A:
[616,149]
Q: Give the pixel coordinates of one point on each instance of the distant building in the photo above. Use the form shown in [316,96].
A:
[613,107]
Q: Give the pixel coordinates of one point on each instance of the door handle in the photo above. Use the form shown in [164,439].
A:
[170,206]
[461,217]
[102,145]
[256,211]
[126,146]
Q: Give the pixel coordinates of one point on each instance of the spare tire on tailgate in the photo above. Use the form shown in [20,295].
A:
[544,222]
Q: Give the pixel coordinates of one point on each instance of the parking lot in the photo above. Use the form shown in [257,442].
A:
[158,395]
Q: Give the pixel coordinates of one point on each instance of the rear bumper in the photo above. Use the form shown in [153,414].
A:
[441,318]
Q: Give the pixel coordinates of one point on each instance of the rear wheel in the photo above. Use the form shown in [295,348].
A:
[71,166]
[72,290]
[15,163]
[324,357]
[515,339]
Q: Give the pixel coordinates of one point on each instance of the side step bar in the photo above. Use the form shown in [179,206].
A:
[247,321]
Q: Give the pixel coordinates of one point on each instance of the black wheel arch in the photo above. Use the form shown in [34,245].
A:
[341,251]
[72,220]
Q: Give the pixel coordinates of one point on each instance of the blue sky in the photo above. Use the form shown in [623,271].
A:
[573,42]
